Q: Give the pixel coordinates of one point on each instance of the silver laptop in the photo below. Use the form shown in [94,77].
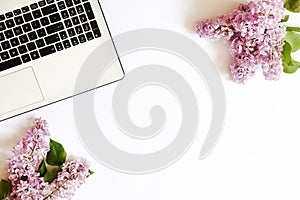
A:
[43,46]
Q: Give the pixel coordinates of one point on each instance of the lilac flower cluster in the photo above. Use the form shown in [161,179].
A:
[255,33]
[25,180]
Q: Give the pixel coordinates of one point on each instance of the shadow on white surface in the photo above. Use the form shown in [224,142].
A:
[7,142]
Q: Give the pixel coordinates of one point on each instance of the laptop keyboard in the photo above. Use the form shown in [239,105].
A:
[44,28]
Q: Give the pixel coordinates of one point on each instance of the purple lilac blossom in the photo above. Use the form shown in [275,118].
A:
[255,34]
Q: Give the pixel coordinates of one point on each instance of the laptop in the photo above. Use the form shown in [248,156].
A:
[43,46]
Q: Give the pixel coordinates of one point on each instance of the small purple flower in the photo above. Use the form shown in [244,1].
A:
[255,34]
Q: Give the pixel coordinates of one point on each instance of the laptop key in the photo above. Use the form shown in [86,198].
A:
[10,63]
[72,11]
[34,55]
[68,23]
[59,46]
[14,42]
[4,55]
[74,41]
[61,5]
[82,18]
[37,14]
[64,14]
[69,3]
[77,1]
[52,39]
[2,37]
[63,35]
[5,45]
[31,46]
[36,24]
[82,38]
[2,17]
[78,29]
[79,9]
[42,3]
[89,11]
[25,9]
[50,1]
[26,28]
[55,18]
[22,49]
[18,31]
[23,39]
[34,6]
[17,12]
[40,43]
[66,44]
[26,58]
[49,9]
[9,15]
[71,32]
[32,35]
[75,21]
[55,28]
[10,23]
[41,32]
[28,17]
[2,26]
[19,20]
[47,50]
[9,34]
[97,33]
[89,36]
[13,52]
[45,21]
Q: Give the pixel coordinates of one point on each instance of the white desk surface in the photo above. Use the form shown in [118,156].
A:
[257,156]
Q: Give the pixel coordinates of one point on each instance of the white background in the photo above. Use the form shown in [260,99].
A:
[257,156]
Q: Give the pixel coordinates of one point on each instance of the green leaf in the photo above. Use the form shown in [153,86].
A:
[91,172]
[290,65]
[293,5]
[292,28]
[51,175]
[285,19]
[293,39]
[57,154]
[4,189]
[42,169]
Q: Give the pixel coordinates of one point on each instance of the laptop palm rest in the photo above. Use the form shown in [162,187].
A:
[19,89]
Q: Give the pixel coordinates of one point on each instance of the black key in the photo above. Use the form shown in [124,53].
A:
[41,32]
[42,3]
[2,26]
[67,44]
[14,42]
[72,11]
[22,49]
[2,17]
[10,23]
[32,35]
[94,25]
[97,33]
[31,46]
[82,18]
[89,11]
[4,55]
[89,36]
[40,43]
[61,5]
[47,50]
[5,45]
[34,55]
[9,15]
[55,18]
[37,14]
[81,38]
[59,46]
[79,9]
[69,3]
[25,9]
[10,63]
[64,14]
[50,1]
[55,28]
[23,39]
[84,0]
[74,41]
[36,24]
[76,1]
[63,35]
[19,20]
[17,12]
[71,32]
[18,31]
[68,23]
[52,39]
[75,21]
[2,37]
[78,29]
[28,17]
[26,28]
[9,34]
[45,21]
[25,58]
[49,9]
[13,52]
[34,6]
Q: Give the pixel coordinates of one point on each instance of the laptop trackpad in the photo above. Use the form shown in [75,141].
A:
[19,89]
